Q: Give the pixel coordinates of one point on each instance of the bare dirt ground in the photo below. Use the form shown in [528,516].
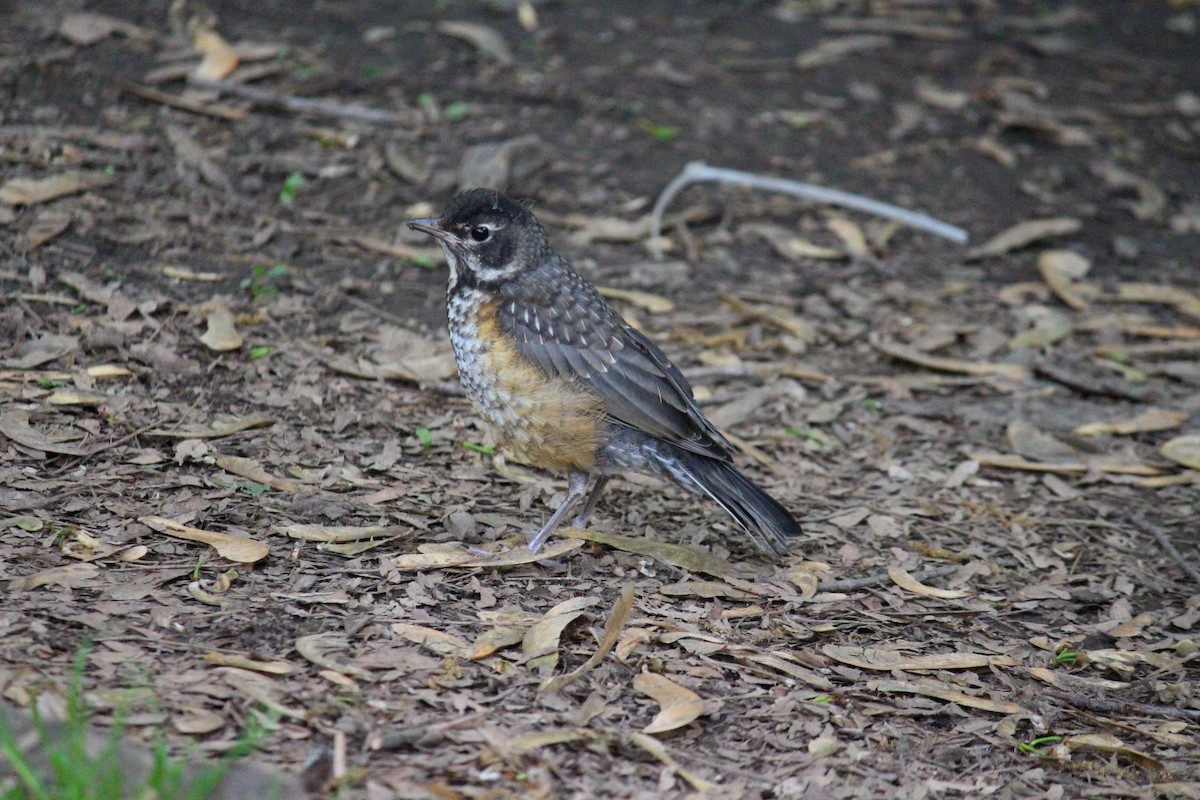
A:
[213,320]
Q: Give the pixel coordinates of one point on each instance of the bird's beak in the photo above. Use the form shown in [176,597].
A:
[430,225]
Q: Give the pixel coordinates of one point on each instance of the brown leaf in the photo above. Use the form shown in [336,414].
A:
[1184,301]
[655,304]
[484,38]
[440,642]
[234,548]
[197,721]
[1107,743]
[904,353]
[68,576]
[612,631]
[218,429]
[656,748]
[680,706]
[1183,450]
[219,58]
[1023,234]
[15,425]
[49,223]
[316,648]
[31,191]
[1061,269]
[245,662]
[457,555]
[222,334]
[250,469]
[540,645]
[495,639]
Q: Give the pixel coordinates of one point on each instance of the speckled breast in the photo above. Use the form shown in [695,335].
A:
[543,421]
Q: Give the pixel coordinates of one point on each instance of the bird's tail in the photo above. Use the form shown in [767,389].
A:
[764,518]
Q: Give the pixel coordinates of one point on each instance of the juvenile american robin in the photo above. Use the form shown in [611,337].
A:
[566,382]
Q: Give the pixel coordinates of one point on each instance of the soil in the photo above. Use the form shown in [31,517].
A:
[220,323]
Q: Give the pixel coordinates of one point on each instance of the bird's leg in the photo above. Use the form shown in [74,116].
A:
[576,486]
[590,506]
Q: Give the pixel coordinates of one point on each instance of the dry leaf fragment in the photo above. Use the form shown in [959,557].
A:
[1152,419]
[788,245]
[1023,234]
[68,576]
[197,721]
[689,558]
[495,639]
[823,746]
[906,581]
[1183,450]
[218,429]
[850,234]
[340,533]
[655,304]
[260,689]
[833,50]
[221,335]
[108,371]
[245,662]
[942,692]
[15,425]
[680,706]
[1061,269]
[219,58]
[234,548]
[50,222]
[31,191]
[1184,301]
[540,644]
[85,28]
[485,39]
[456,555]
[894,349]
[880,658]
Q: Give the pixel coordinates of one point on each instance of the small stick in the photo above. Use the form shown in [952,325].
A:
[697,171]
[183,104]
[1167,545]
[300,105]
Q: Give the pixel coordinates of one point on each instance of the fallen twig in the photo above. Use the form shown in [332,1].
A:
[299,105]
[1167,545]
[697,171]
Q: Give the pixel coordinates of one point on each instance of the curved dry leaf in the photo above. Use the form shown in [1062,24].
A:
[108,371]
[612,631]
[680,706]
[912,355]
[1022,234]
[485,39]
[1106,743]
[316,648]
[219,58]
[221,335]
[880,658]
[1152,419]
[234,548]
[907,582]
[949,695]
[1183,450]
[440,642]
[218,429]
[807,577]
[200,594]
[655,748]
[851,235]
[339,533]
[457,555]
[654,303]
[495,639]
[259,688]
[250,469]
[540,643]
[1060,270]
[1184,301]
[689,558]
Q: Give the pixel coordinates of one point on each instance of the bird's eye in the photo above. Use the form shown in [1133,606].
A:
[481,233]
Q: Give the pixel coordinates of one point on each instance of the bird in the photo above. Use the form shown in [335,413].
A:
[566,383]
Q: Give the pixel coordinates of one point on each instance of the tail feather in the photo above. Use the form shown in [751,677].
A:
[764,518]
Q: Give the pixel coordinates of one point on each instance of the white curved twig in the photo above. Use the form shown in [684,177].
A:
[697,171]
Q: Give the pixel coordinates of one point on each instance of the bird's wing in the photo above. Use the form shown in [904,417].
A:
[573,333]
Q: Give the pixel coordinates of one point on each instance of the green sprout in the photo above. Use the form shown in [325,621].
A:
[487,450]
[425,437]
[261,280]
[663,133]
[1034,746]
[1066,657]
[287,195]
[260,351]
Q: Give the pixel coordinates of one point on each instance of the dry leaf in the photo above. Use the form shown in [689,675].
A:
[1106,743]
[221,335]
[108,371]
[905,581]
[655,304]
[883,659]
[689,558]
[1024,233]
[1152,419]
[260,689]
[457,555]
[495,639]
[68,576]
[942,692]
[1184,301]
[316,647]
[823,746]
[1061,269]
[788,245]
[807,577]
[851,234]
[485,39]
[680,706]
[234,548]
[197,721]
[340,533]
[245,662]
[1183,450]
[1014,372]
[31,191]
[49,223]
[250,469]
